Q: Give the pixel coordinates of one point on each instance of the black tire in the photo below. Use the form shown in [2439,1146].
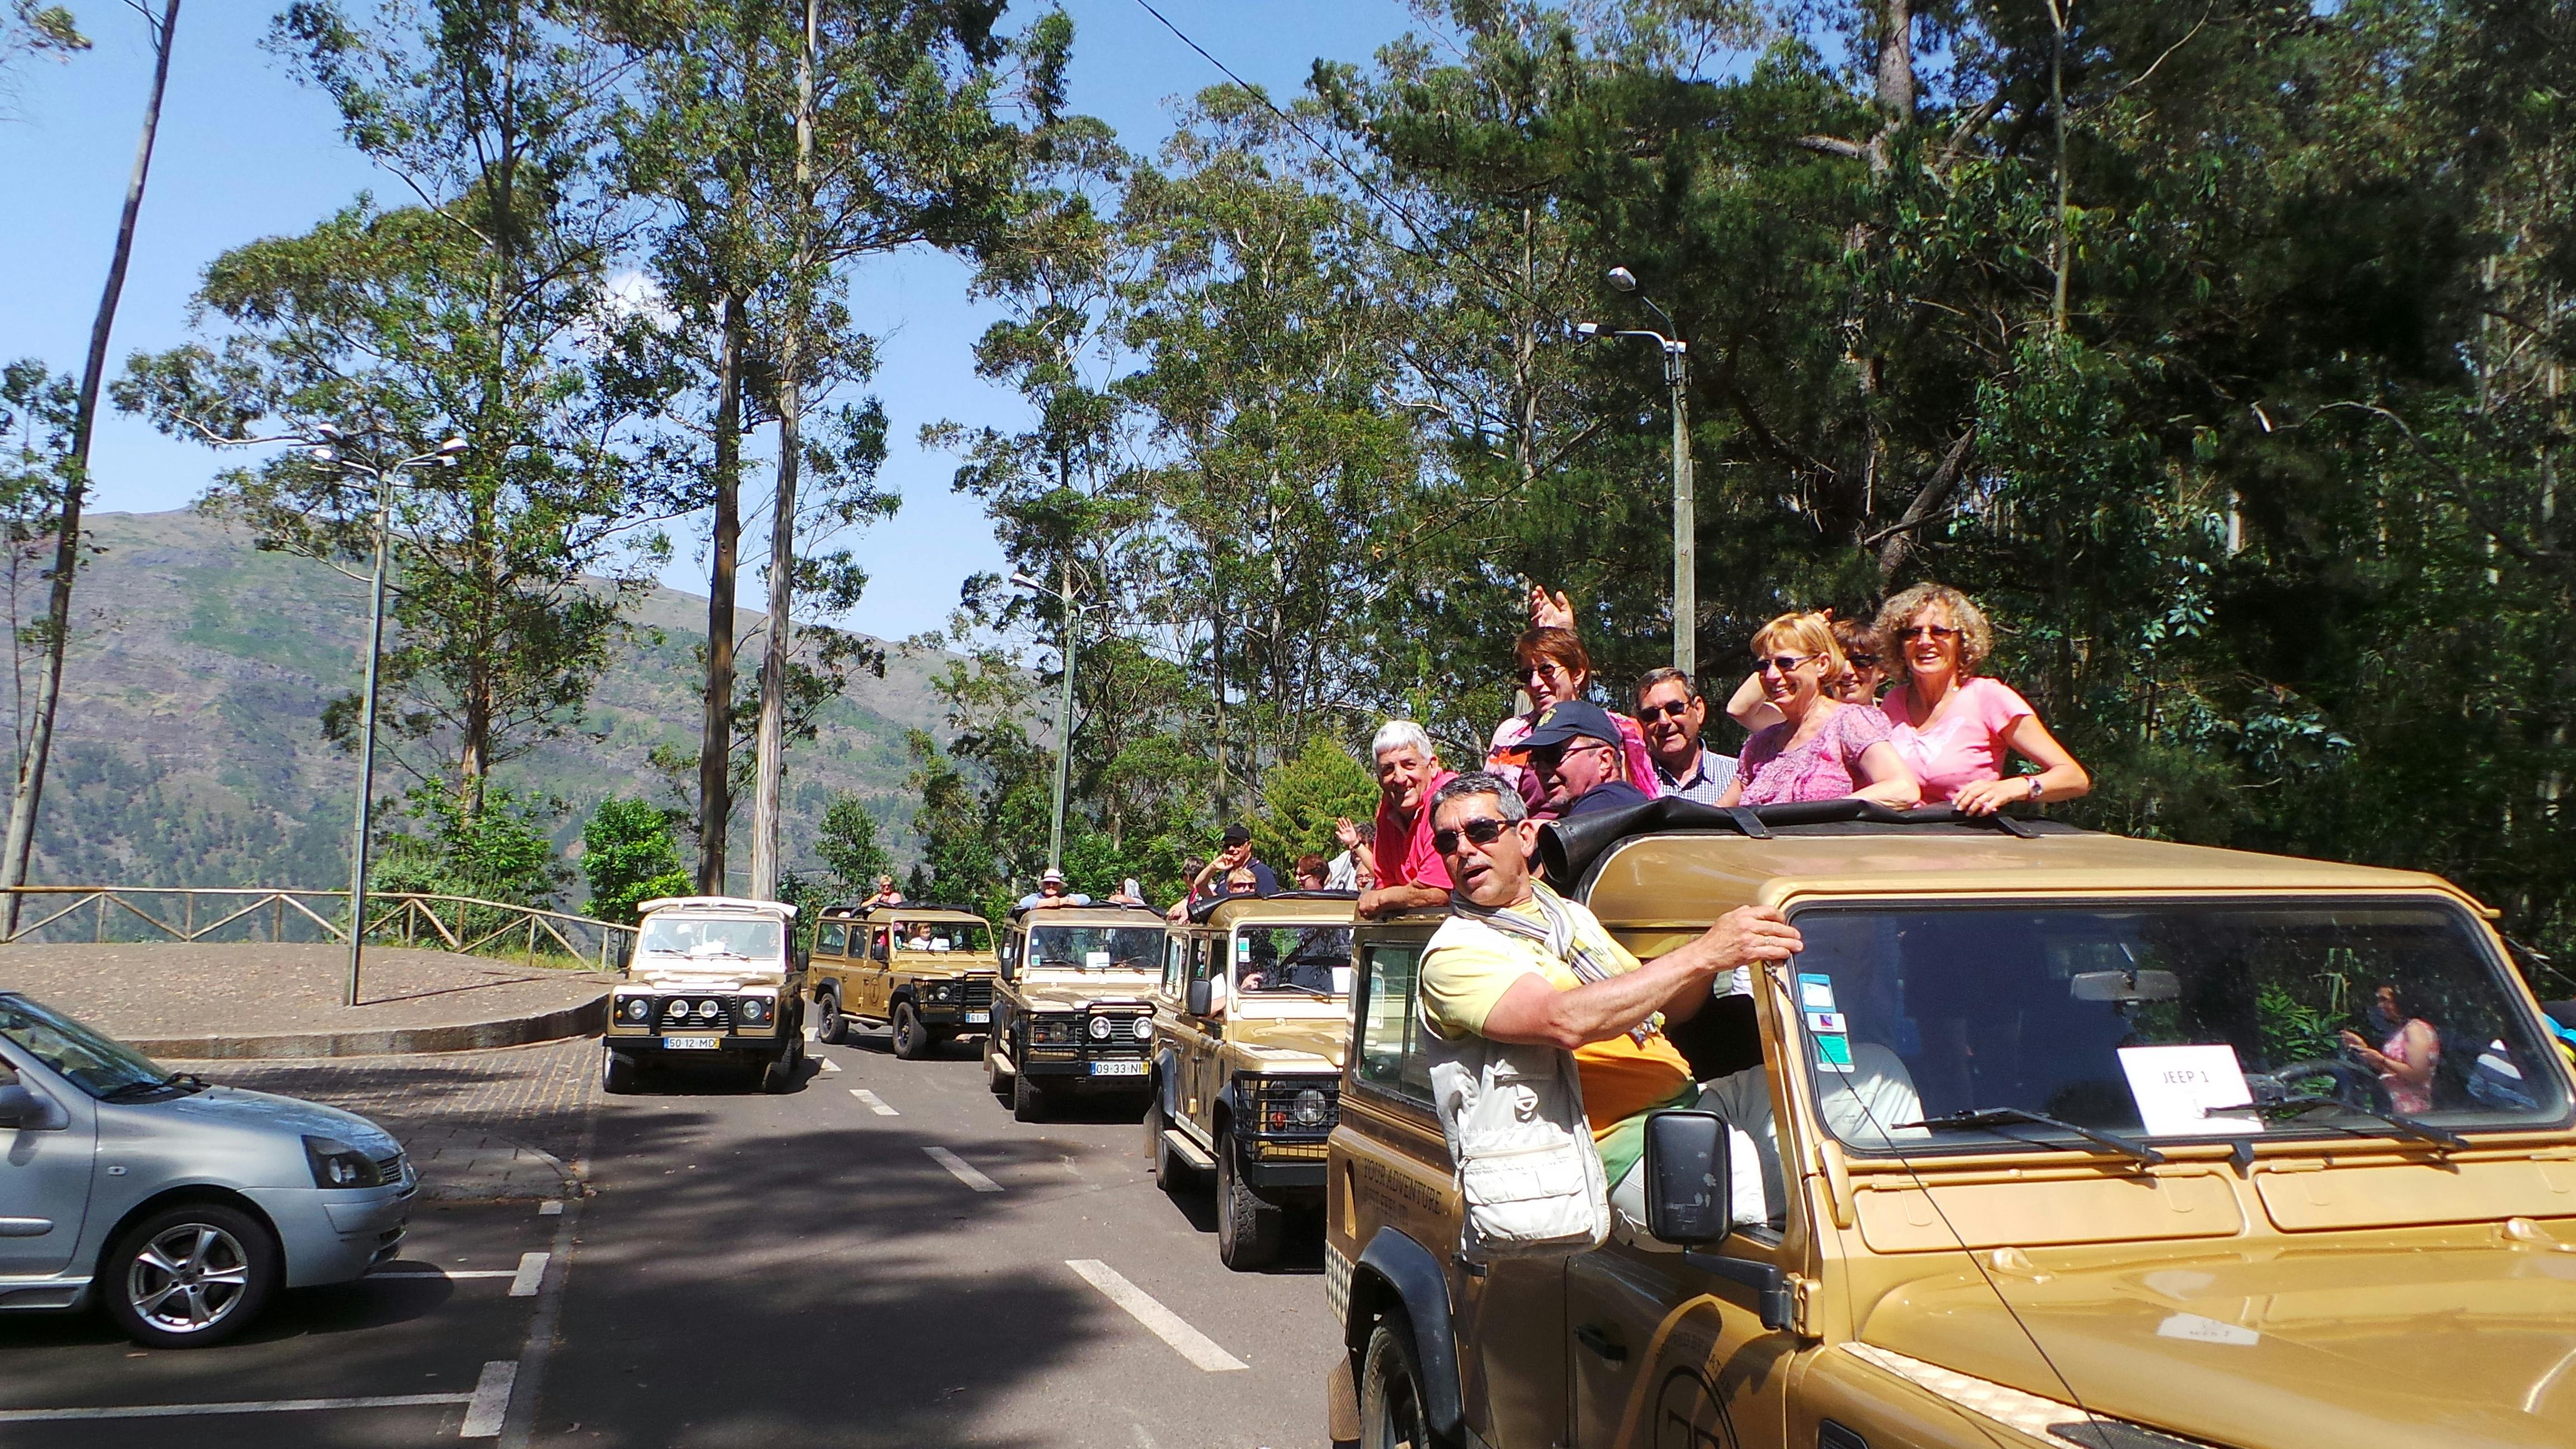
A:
[996,1081]
[1248,1229]
[780,1074]
[912,1040]
[1028,1099]
[1391,1414]
[227,1267]
[830,1027]
[619,1072]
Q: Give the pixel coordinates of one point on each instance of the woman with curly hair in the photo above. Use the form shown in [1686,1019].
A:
[1956,727]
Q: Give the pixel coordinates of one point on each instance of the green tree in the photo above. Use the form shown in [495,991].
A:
[499,852]
[628,856]
[847,845]
[1301,799]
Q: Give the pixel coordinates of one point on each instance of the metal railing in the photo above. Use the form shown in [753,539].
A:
[232,914]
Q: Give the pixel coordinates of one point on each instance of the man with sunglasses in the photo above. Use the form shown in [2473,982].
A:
[1516,963]
[1674,715]
[1575,749]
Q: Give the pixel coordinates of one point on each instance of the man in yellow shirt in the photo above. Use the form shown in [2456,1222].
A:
[1516,963]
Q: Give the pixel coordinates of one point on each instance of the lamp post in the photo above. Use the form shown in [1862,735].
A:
[1685,508]
[330,454]
[1063,705]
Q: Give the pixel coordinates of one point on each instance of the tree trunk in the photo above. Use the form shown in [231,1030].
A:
[715,741]
[29,793]
[766,833]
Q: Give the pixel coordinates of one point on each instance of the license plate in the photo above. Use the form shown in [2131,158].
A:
[978,1018]
[691,1043]
[1118,1069]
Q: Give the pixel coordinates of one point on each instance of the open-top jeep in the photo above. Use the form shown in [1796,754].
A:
[2055,1138]
[713,978]
[925,971]
[1075,1010]
[1250,1022]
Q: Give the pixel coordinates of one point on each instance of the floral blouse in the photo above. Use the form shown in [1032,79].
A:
[1824,768]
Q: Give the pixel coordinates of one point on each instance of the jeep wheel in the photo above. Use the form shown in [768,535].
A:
[618,1071]
[1028,1099]
[782,1070]
[1247,1229]
[189,1276]
[911,1039]
[1391,1390]
[830,1027]
[1171,1174]
[996,1081]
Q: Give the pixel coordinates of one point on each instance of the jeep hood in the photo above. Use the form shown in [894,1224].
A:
[683,973]
[1289,1044]
[2472,1343]
[1065,993]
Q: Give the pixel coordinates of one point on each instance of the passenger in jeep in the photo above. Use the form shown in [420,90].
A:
[1517,963]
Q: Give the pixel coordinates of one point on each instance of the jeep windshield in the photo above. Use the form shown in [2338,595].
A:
[1292,960]
[709,940]
[942,936]
[1969,1028]
[1096,948]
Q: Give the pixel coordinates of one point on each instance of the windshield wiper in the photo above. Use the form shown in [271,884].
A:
[1986,1119]
[193,1081]
[2406,1126]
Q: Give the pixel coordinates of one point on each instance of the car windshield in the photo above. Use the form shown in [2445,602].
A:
[2148,1021]
[1097,948]
[1292,960]
[728,937]
[96,1064]
[942,936]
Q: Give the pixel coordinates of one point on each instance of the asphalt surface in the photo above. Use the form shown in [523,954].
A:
[765,1272]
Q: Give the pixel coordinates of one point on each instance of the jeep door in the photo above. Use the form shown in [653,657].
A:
[1202,1037]
[829,968]
[876,971]
[45,1165]
[1664,1353]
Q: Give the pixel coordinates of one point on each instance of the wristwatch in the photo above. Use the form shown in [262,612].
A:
[2034,789]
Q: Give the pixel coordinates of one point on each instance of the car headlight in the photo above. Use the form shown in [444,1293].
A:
[1309,1109]
[1100,1028]
[940,992]
[635,1008]
[337,1164]
[1144,1028]
[755,1008]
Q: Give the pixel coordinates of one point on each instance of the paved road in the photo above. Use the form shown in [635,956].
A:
[766,1272]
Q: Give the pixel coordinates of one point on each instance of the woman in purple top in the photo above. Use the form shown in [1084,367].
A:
[1821,749]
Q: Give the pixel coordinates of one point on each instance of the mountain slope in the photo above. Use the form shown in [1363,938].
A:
[190,751]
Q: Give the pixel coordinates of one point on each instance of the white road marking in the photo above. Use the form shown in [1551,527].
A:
[252,1406]
[491,1402]
[829,1066]
[873,1102]
[962,1170]
[434,1271]
[551,1208]
[531,1274]
[1162,1322]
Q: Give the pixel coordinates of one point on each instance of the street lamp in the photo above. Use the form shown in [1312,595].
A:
[330,454]
[1685,511]
[1063,705]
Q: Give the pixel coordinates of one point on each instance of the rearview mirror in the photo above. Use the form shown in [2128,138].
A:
[1199,997]
[20,1107]
[1010,962]
[2124,986]
[1688,1178]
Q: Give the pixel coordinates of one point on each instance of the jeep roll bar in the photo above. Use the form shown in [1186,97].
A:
[1570,847]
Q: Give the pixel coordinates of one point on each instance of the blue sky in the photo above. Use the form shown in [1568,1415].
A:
[245,152]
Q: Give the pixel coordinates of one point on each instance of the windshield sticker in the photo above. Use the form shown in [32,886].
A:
[1243,948]
[1095,960]
[1815,993]
[1826,1023]
[1341,981]
[2184,1091]
[1833,1054]
[2206,1330]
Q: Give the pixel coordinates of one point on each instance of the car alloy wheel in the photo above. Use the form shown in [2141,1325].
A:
[189,1275]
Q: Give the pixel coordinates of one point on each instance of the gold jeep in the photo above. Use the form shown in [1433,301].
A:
[2046,1137]
[713,979]
[1074,1012]
[1250,1020]
[925,971]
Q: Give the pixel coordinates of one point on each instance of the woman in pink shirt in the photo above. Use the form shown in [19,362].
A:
[1955,727]
[1822,749]
[1554,667]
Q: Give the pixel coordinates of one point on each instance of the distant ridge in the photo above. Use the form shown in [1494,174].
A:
[190,749]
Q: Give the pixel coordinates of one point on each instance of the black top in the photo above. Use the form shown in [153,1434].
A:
[1608,795]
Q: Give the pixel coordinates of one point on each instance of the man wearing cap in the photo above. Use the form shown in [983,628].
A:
[1575,747]
[1215,877]
[1051,894]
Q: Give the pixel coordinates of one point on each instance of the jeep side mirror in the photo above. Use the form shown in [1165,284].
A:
[20,1107]
[1688,1178]
[1010,961]
[1199,997]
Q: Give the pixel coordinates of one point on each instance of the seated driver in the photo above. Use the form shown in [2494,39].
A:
[1861,1107]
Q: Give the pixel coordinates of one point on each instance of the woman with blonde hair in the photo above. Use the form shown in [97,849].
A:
[1865,672]
[1822,749]
[1955,727]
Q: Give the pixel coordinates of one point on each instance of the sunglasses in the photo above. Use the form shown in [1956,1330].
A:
[1782,663]
[1862,661]
[1648,714]
[1927,631]
[1484,830]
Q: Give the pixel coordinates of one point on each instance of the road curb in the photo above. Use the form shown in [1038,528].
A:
[587,1018]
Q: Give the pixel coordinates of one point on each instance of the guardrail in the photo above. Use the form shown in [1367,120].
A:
[463,924]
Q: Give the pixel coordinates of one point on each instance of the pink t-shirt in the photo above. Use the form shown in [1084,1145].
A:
[1965,745]
[1404,853]
[1824,768]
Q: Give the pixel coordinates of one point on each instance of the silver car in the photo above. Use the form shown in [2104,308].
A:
[182,1207]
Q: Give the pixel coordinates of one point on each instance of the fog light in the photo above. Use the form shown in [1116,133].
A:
[676,1010]
[708,1008]
[1100,1028]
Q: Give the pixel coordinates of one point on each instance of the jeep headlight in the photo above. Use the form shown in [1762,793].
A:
[637,1009]
[1310,1108]
[1100,1028]
[337,1164]
[755,1008]
[941,992]
[1144,1028]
